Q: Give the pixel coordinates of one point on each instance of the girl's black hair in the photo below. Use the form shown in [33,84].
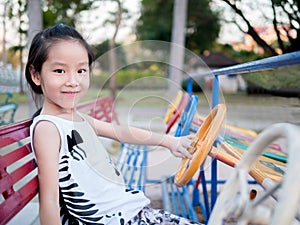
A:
[37,113]
[38,52]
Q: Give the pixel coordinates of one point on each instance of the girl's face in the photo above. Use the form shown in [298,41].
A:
[64,77]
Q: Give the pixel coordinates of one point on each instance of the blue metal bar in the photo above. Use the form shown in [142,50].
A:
[173,196]
[185,130]
[189,206]
[180,197]
[274,62]
[189,86]
[214,170]
[215,92]
[204,190]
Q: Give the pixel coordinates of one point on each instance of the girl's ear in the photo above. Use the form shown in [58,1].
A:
[35,76]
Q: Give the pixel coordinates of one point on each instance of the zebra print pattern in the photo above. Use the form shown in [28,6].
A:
[74,208]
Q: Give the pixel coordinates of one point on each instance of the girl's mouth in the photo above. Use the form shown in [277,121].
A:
[70,93]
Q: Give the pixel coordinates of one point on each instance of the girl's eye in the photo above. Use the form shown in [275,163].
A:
[81,71]
[59,71]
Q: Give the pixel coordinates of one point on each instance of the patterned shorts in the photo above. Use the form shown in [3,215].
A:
[149,216]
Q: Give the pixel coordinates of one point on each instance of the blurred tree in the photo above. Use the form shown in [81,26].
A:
[103,48]
[4,18]
[67,11]
[117,18]
[18,10]
[35,24]
[202,26]
[283,15]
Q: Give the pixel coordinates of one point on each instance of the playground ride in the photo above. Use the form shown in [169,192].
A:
[232,145]
[268,168]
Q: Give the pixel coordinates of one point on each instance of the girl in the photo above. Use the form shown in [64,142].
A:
[78,183]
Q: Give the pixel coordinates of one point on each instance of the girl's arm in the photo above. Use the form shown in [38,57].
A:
[177,145]
[46,142]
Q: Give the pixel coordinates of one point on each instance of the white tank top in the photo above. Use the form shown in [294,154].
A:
[92,190]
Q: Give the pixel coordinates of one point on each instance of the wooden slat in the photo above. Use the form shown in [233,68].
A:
[6,183]
[16,155]
[101,109]
[11,206]
[13,133]
[22,171]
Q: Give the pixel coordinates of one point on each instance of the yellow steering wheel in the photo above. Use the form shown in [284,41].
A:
[202,144]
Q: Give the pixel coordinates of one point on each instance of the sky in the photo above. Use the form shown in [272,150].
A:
[96,29]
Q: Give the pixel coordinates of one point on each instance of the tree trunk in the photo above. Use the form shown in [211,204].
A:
[267,48]
[251,31]
[112,52]
[35,16]
[177,47]
[112,69]
[4,35]
[35,25]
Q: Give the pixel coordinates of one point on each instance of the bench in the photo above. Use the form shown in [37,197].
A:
[7,110]
[18,171]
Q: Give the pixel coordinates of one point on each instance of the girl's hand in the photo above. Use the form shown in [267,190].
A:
[180,145]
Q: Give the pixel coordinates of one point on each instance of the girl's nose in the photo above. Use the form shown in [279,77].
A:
[72,80]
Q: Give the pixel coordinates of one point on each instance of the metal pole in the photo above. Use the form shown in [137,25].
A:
[214,172]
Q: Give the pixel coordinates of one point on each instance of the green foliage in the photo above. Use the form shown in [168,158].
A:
[102,55]
[155,23]
[138,79]
[203,26]
[125,77]
[101,48]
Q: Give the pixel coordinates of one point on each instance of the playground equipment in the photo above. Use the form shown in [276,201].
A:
[231,147]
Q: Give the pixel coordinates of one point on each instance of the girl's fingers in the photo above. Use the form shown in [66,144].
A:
[186,153]
[182,147]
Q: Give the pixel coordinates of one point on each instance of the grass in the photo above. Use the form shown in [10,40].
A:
[157,98]
[17,98]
